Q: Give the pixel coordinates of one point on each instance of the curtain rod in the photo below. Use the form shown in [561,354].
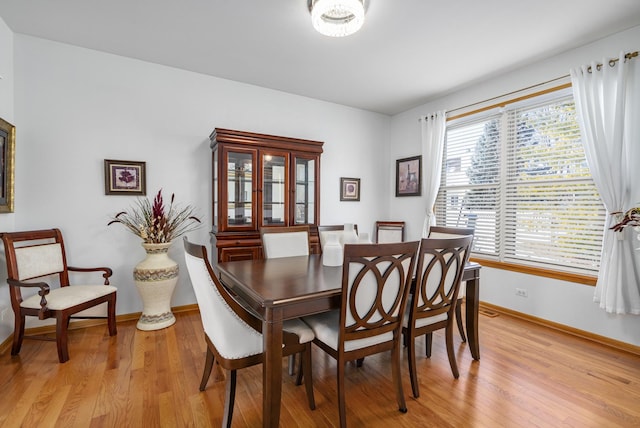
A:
[612,62]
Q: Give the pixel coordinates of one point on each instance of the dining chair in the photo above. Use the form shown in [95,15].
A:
[325,230]
[234,335]
[452,232]
[375,284]
[432,304]
[41,254]
[280,241]
[389,231]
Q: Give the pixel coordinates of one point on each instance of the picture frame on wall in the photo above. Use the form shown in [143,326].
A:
[409,176]
[7,162]
[349,189]
[124,177]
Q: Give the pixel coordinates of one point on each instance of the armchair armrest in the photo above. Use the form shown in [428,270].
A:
[107,271]
[44,290]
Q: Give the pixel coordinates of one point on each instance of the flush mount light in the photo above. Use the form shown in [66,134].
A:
[337,18]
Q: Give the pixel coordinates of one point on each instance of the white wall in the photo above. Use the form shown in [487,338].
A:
[558,301]
[6,113]
[76,107]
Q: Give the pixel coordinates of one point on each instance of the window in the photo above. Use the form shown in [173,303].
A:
[518,174]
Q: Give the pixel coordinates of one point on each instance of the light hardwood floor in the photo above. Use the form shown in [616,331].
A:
[528,376]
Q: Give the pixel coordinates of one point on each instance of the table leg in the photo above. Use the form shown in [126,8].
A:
[272,368]
[471,310]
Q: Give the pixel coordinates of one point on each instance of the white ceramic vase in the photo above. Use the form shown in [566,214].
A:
[156,277]
[332,253]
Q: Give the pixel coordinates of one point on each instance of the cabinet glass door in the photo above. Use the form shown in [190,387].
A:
[305,176]
[274,189]
[239,188]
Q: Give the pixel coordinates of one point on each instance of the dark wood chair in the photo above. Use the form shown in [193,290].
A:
[432,304]
[452,232]
[280,241]
[234,335]
[389,231]
[325,230]
[375,283]
[37,254]
[284,241]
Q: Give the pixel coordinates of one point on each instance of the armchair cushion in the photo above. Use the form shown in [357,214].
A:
[67,297]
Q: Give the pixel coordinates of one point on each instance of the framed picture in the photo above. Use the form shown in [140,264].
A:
[124,177]
[7,158]
[349,189]
[409,176]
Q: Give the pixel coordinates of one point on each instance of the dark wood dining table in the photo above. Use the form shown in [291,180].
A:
[292,287]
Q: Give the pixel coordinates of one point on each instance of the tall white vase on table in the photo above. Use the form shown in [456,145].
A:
[156,277]
[332,253]
[349,234]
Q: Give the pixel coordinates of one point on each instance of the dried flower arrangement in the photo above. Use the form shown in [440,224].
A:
[153,224]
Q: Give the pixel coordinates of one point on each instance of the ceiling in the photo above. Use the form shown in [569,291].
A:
[408,51]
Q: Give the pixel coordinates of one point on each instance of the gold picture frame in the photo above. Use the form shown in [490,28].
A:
[7,160]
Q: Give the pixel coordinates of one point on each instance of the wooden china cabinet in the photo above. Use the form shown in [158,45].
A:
[261,180]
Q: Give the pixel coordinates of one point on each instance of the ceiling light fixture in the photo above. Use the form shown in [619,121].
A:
[337,18]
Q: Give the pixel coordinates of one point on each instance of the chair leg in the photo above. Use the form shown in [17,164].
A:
[230,398]
[359,362]
[308,376]
[292,364]
[62,322]
[428,341]
[342,411]
[411,356]
[208,366]
[395,374]
[18,334]
[450,353]
[111,316]
[459,320]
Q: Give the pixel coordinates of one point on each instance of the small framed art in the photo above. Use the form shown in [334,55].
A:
[349,189]
[7,157]
[409,176]
[124,177]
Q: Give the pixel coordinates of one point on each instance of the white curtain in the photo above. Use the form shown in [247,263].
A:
[607,98]
[433,128]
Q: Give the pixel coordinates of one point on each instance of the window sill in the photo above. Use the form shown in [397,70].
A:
[530,270]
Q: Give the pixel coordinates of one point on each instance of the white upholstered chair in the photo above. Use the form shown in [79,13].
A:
[432,304]
[453,232]
[389,231]
[284,241]
[40,254]
[375,283]
[233,335]
[280,241]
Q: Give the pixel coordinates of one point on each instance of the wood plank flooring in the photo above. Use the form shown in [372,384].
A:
[528,376]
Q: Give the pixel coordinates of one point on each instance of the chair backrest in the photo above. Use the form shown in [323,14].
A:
[450,232]
[441,264]
[231,328]
[34,254]
[375,283]
[389,231]
[285,241]
[337,229]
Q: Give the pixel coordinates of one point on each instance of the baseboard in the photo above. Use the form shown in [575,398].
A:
[623,346]
[48,329]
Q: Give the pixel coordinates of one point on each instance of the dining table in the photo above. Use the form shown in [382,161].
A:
[290,287]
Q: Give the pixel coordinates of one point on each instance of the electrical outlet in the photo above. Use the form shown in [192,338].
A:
[521,292]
